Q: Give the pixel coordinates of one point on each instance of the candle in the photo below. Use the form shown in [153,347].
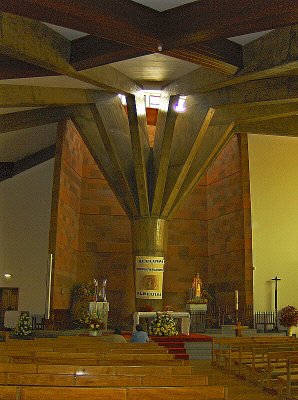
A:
[236,300]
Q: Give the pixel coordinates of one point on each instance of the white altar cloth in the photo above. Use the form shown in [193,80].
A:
[184,316]
[11,319]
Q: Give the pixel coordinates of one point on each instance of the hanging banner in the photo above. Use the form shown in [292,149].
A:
[149,277]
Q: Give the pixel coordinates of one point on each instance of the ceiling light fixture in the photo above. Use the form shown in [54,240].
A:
[180,107]
[122,98]
[7,276]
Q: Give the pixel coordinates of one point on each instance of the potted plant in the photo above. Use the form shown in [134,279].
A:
[289,318]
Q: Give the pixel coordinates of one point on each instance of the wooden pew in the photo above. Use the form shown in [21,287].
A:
[229,348]
[79,370]
[278,366]
[160,393]
[289,383]
[97,358]
[35,379]
[254,358]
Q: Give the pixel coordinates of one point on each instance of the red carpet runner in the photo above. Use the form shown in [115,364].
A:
[175,344]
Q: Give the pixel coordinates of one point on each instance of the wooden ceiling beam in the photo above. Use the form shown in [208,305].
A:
[224,56]
[125,22]
[38,96]
[266,91]
[272,55]
[256,113]
[10,169]
[278,126]
[136,110]
[27,119]
[10,68]
[91,51]
[42,46]
[206,20]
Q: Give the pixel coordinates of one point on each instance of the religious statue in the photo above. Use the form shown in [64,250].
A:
[197,286]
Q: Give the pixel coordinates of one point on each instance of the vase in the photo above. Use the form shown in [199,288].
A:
[289,330]
[95,333]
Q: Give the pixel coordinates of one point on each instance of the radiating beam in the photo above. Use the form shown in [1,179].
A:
[220,136]
[136,109]
[91,131]
[184,171]
[165,126]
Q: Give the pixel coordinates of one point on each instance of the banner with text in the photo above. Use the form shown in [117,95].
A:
[149,277]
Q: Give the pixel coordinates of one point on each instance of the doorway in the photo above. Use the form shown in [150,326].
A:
[9,300]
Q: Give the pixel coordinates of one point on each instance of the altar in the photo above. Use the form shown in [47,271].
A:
[184,316]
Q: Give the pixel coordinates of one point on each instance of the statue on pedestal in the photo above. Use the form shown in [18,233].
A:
[197,286]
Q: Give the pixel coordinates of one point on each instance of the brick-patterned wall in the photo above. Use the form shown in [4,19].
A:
[229,231]
[105,240]
[65,215]
[187,247]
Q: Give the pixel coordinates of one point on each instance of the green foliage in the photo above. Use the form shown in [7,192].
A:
[23,327]
[81,295]
[163,325]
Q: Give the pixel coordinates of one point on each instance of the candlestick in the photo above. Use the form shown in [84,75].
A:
[236,300]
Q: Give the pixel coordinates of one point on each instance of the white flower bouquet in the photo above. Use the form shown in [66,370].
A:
[163,325]
[23,327]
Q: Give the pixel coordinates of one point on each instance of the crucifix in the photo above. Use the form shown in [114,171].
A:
[276,279]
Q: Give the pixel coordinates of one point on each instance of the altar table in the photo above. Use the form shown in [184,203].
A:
[11,319]
[184,316]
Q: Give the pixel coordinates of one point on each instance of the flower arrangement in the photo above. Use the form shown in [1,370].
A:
[288,316]
[23,327]
[163,325]
[93,322]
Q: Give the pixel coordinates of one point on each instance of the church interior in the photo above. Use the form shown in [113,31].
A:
[149,135]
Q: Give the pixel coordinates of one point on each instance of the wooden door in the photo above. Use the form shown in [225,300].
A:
[9,300]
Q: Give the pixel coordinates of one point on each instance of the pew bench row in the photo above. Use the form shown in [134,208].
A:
[86,380]
[124,393]
[80,369]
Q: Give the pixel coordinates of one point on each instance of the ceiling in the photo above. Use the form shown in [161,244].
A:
[152,70]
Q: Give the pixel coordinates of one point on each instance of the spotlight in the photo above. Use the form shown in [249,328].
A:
[7,276]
